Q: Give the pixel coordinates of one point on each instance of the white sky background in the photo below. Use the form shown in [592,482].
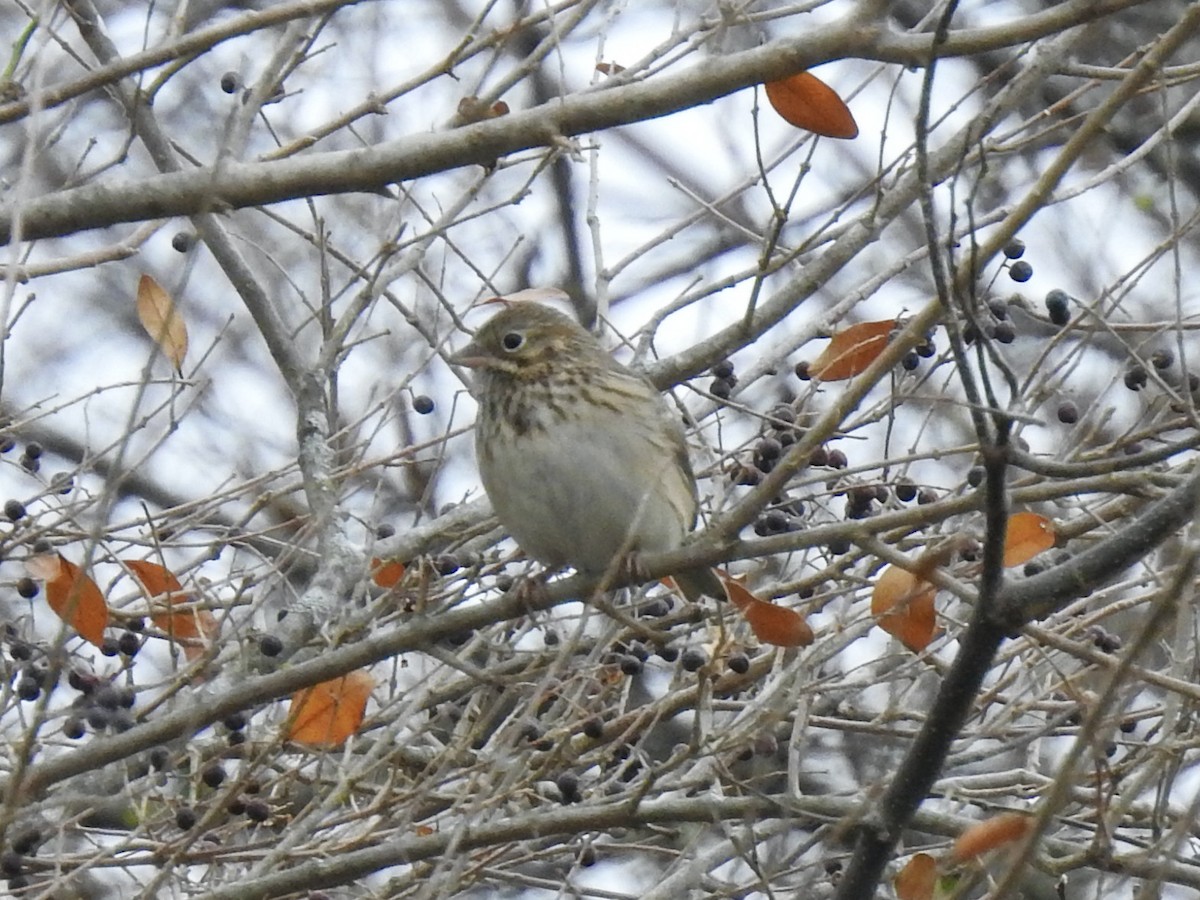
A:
[77,364]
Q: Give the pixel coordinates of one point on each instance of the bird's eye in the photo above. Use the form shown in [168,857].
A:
[512,341]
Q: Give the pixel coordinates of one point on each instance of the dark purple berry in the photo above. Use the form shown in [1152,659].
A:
[568,787]
[11,863]
[258,811]
[1136,377]
[1003,332]
[26,841]
[782,415]
[446,564]
[1058,307]
[1020,271]
[235,721]
[631,665]
[769,448]
[98,718]
[1014,249]
[422,404]
[747,475]
[128,643]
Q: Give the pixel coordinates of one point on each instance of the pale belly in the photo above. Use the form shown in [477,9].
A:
[582,497]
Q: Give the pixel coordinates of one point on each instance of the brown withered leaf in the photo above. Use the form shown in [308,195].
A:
[807,102]
[325,714]
[162,321]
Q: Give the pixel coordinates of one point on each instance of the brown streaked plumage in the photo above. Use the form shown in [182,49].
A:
[582,459]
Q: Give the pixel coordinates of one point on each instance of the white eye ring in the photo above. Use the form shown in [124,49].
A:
[512,341]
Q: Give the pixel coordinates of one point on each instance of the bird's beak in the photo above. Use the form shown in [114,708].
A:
[470,356]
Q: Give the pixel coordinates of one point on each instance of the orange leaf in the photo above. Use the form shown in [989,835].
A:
[771,624]
[386,573]
[918,879]
[325,714]
[72,595]
[852,350]
[807,102]
[156,311]
[157,580]
[192,628]
[903,604]
[1028,535]
[991,834]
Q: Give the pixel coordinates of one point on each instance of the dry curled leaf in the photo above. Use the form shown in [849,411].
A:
[991,834]
[1028,535]
[72,594]
[326,714]
[386,573]
[918,879]
[162,321]
[903,605]
[771,624]
[852,350]
[807,102]
[192,628]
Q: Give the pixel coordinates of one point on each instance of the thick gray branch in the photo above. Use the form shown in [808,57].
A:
[238,185]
